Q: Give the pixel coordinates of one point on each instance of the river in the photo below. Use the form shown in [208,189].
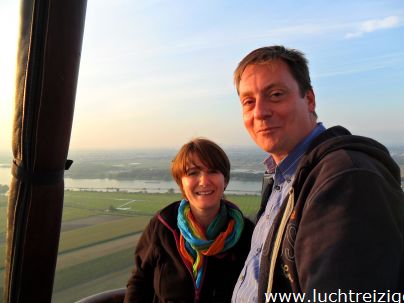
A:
[234,187]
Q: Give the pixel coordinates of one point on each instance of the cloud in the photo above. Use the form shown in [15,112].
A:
[373,25]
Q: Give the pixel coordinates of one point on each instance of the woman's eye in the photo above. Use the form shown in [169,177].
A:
[191,173]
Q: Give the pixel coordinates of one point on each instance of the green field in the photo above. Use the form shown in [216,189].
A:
[99,234]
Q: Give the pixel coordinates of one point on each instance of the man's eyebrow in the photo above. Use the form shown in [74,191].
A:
[265,89]
[244,94]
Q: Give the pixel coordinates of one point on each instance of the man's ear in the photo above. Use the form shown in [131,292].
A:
[311,100]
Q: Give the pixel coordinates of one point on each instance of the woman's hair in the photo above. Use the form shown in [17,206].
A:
[208,152]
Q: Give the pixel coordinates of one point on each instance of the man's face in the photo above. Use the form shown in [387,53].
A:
[275,114]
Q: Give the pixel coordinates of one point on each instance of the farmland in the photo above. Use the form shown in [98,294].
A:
[99,233]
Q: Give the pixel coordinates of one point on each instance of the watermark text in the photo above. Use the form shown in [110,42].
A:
[339,296]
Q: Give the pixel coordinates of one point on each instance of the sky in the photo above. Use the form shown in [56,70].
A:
[157,73]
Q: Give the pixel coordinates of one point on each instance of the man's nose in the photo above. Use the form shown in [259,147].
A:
[262,109]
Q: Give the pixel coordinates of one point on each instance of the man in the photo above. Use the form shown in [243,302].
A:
[332,215]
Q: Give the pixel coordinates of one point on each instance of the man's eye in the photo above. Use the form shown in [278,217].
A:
[276,95]
[248,102]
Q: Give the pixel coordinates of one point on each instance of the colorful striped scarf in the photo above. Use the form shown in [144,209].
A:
[195,244]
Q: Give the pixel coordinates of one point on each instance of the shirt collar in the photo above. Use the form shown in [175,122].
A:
[287,166]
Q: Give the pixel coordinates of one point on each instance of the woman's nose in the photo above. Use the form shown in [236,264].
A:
[204,179]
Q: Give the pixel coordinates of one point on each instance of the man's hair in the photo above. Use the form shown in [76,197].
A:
[208,152]
[297,62]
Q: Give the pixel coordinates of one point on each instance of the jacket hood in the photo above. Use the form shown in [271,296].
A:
[339,138]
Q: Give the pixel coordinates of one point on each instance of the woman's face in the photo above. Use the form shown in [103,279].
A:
[203,187]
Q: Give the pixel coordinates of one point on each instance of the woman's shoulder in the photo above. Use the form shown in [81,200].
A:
[241,249]
[247,222]
[248,227]
[163,221]
[169,213]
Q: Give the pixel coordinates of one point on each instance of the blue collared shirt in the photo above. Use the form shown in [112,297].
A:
[246,289]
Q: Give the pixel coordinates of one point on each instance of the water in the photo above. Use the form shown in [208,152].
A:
[234,187]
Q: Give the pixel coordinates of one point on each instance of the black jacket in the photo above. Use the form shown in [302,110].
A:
[342,226]
[160,275]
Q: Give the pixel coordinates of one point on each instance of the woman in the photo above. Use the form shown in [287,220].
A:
[193,250]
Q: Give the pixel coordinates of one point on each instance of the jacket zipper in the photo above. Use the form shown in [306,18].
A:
[278,238]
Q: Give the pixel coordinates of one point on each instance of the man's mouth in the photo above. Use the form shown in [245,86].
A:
[267,129]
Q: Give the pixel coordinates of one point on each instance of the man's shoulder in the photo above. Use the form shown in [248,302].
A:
[329,135]
[337,144]
[337,150]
